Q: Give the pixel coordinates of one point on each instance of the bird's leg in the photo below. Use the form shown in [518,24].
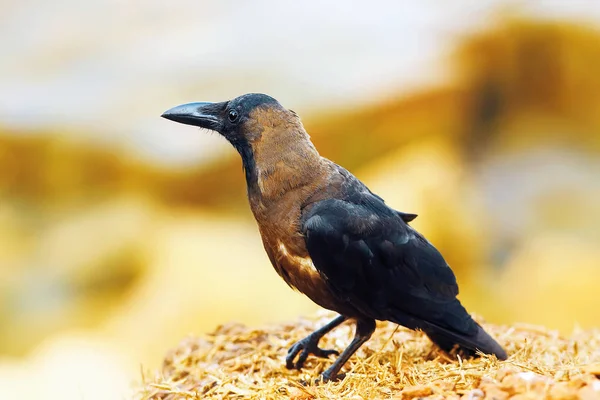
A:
[364,330]
[310,345]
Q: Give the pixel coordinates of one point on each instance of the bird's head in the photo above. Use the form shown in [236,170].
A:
[243,121]
[266,134]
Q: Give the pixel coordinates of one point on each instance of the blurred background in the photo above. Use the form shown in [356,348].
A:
[121,232]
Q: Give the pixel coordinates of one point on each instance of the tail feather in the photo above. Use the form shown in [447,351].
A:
[480,341]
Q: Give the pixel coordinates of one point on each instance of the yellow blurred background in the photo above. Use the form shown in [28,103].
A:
[121,233]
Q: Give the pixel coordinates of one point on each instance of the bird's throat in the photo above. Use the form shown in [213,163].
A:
[271,176]
[248,163]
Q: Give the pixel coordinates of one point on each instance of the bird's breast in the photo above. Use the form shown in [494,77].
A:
[296,268]
[296,265]
[280,228]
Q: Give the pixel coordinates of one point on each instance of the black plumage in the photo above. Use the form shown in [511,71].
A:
[371,258]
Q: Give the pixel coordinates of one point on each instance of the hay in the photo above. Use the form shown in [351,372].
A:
[240,362]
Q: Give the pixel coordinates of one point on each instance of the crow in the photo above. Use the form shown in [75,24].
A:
[329,237]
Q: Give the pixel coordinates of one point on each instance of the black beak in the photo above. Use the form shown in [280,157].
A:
[204,115]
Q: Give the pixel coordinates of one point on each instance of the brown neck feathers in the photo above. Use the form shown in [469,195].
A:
[285,158]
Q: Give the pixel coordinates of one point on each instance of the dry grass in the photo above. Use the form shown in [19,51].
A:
[240,362]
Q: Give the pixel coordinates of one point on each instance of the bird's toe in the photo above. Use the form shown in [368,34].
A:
[292,353]
[302,359]
[325,377]
[325,353]
[305,347]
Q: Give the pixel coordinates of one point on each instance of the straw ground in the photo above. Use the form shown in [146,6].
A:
[236,361]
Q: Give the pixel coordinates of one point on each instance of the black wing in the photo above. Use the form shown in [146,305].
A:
[373,260]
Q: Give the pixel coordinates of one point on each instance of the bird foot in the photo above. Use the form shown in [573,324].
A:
[305,347]
[324,378]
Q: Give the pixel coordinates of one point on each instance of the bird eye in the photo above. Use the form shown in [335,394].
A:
[233,116]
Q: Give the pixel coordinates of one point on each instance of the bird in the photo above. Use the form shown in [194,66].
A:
[332,239]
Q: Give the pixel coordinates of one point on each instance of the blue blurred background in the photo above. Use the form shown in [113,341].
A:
[121,233]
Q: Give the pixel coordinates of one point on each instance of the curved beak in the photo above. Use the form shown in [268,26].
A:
[204,115]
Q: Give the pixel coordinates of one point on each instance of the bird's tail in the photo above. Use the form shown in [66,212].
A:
[480,341]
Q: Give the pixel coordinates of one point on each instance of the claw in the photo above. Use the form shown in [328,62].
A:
[323,378]
[305,347]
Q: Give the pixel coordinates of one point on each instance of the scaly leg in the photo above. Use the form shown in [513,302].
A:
[364,330]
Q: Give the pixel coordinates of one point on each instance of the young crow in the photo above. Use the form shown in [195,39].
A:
[328,236]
